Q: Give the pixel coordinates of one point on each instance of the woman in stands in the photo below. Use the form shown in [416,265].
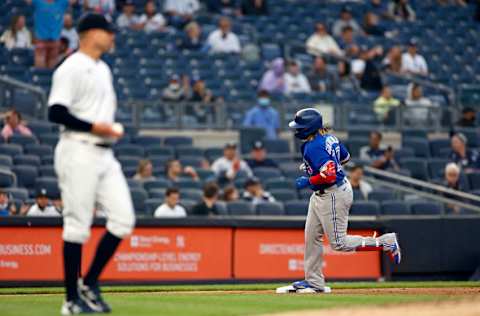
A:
[17,35]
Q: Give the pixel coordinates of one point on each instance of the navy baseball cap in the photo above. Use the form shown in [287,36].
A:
[258,145]
[92,21]
[41,192]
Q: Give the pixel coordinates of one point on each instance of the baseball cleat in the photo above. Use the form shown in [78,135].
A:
[92,296]
[76,307]
[393,248]
[302,287]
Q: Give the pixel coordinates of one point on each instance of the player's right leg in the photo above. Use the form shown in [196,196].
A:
[78,180]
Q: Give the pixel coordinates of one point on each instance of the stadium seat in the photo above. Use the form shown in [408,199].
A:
[471,134]
[47,171]
[404,152]
[284,195]
[11,149]
[279,183]
[394,208]
[436,167]
[195,162]
[364,208]
[437,145]
[31,160]
[206,175]
[139,196]
[152,204]
[269,208]
[18,193]
[146,141]
[7,178]
[265,173]
[240,208]
[296,207]
[381,195]
[128,161]
[49,139]
[26,175]
[188,151]
[157,193]
[156,184]
[213,153]
[427,208]
[129,172]
[355,144]
[420,147]
[50,184]
[474,180]
[417,167]
[277,146]
[191,194]
[132,183]
[414,133]
[188,205]
[175,141]
[41,127]
[38,150]
[129,150]
[6,161]
[188,183]
[159,151]
[358,195]
[22,140]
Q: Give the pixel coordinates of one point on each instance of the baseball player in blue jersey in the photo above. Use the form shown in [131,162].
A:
[323,157]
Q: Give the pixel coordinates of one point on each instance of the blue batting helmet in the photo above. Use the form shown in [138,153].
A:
[306,122]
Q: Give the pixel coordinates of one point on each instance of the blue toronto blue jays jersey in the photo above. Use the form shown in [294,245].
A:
[318,151]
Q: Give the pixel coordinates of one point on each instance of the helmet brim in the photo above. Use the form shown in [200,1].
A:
[294,124]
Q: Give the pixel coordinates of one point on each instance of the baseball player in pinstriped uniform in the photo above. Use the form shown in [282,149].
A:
[330,202]
[83,100]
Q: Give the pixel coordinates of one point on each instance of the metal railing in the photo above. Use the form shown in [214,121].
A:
[21,95]
[424,189]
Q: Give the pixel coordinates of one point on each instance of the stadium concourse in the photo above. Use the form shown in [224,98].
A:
[170,71]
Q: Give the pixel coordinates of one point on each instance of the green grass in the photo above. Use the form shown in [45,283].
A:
[155,300]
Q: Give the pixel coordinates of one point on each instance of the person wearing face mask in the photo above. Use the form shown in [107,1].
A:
[263,115]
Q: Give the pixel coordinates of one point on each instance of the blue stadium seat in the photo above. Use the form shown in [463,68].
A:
[195,162]
[213,153]
[31,160]
[436,145]
[394,207]
[152,204]
[26,175]
[188,205]
[471,134]
[145,141]
[129,171]
[11,150]
[417,167]
[354,145]
[188,183]
[129,150]
[132,183]
[279,183]
[414,133]
[474,180]
[157,193]
[7,178]
[427,208]
[39,150]
[128,161]
[265,173]
[269,208]
[49,139]
[6,161]
[139,196]
[436,167]
[18,193]
[159,151]
[47,171]
[221,208]
[188,151]
[381,195]
[22,140]
[296,207]
[364,208]
[420,147]
[191,194]
[156,184]
[240,208]
[178,141]
[206,175]
[277,146]
[41,127]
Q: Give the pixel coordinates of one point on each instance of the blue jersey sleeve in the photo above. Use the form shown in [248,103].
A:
[315,157]
[344,154]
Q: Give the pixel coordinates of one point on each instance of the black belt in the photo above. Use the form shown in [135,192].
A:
[104,145]
[322,191]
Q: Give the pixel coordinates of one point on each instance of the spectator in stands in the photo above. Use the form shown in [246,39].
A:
[176,90]
[144,171]
[468,119]
[384,104]
[57,202]
[200,92]
[372,26]
[345,20]
[202,96]
[379,8]
[412,62]
[42,206]
[128,19]
[258,157]
[263,115]
[320,78]
[467,159]
[415,96]
[181,12]
[272,80]
[171,208]
[321,43]
[14,125]
[347,39]
[419,108]
[230,194]
[104,7]
[401,10]
[69,33]
[48,17]
[454,180]
[207,207]
[227,167]
[151,20]
[223,7]
[174,171]
[6,208]
[64,49]
[17,35]
[355,176]
[255,193]
[192,39]
[365,69]
[377,157]
[345,79]
[254,7]
[295,80]
[223,40]
[393,60]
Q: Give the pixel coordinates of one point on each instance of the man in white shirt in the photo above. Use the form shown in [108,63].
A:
[321,43]
[69,32]
[42,207]
[345,20]
[180,12]
[128,18]
[151,21]
[171,208]
[413,63]
[295,81]
[223,40]
[228,166]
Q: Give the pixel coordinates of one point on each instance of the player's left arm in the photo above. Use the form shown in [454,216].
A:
[344,154]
